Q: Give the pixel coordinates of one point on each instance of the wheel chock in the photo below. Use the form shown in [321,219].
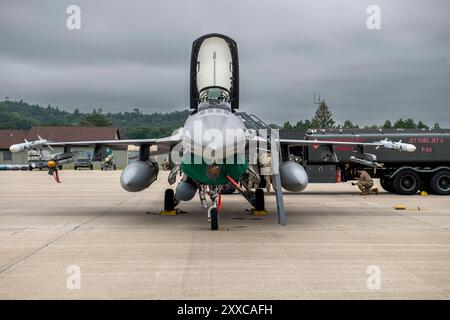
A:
[259,212]
[168,213]
[400,207]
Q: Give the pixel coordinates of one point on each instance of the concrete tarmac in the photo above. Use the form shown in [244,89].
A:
[86,238]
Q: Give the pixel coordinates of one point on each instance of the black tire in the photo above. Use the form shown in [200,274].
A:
[259,200]
[74,167]
[406,182]
[387,184]
[440,182]
[115,167]
[214,218]
[169,203]
[91,167]
[60,167]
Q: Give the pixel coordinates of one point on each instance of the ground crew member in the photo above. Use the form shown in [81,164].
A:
[265,161]
[165,164]
[365,182]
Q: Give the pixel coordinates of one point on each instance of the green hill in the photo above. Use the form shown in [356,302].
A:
[132,124]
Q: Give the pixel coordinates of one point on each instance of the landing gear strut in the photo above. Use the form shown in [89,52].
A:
[213,210]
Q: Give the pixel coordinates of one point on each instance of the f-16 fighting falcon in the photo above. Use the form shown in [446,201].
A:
[217,147]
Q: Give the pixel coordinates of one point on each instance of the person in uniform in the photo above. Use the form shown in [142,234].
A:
[165,164]
[365,182]
[265,161]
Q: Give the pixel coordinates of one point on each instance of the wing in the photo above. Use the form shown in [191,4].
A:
[163,144]
[161,141]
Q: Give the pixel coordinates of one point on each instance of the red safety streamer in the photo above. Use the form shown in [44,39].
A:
[219,203]
[56,176]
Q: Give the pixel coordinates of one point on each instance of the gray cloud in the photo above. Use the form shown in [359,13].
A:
[136,54]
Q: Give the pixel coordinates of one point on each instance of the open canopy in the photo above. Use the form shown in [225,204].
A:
[214,70]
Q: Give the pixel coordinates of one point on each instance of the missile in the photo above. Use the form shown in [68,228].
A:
[366,162]
[400,146]
[27,145]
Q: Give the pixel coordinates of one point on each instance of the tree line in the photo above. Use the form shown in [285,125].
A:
[132,124]
[323,119]
[136,124]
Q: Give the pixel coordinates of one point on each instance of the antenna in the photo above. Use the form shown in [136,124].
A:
[318,101]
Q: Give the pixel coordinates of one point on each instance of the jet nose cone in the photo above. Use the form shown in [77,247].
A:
[411,148]
[214,134]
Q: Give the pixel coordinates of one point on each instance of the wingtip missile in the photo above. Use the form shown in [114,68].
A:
[27,145]
[400,146]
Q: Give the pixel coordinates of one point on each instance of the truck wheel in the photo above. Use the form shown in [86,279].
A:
[259,200]
[440,182]
[91,167]
[406,182]
[387,184]
[115,167]
[169,203]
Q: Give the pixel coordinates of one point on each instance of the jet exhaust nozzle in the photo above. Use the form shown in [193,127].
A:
[185,190]
[139,175]
[293,176]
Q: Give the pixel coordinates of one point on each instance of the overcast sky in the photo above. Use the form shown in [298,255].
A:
[133,53]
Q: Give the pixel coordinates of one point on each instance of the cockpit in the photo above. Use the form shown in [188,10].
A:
[214,72]
[222,106]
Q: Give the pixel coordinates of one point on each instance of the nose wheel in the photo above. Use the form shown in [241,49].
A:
[213,217]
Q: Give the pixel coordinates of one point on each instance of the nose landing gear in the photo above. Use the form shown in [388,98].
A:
[213,217]
[213,210]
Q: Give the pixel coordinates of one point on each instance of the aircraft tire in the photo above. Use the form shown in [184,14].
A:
[259,200]
[169,203]
[214,218]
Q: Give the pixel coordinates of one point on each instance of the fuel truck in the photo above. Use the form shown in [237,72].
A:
[407,173]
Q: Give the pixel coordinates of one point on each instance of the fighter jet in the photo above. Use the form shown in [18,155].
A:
[218,146]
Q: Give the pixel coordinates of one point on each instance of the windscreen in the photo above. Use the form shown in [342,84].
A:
[214,64]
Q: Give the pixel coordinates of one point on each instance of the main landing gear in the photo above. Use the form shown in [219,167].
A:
[256,199]
[170,202]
